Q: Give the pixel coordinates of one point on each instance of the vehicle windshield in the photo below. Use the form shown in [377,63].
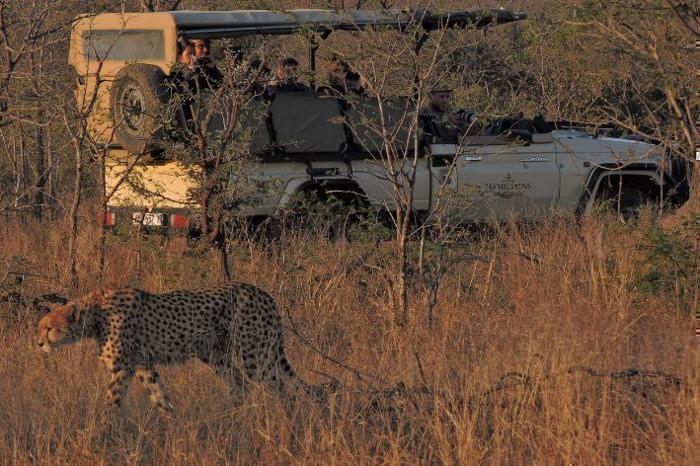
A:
[105,45]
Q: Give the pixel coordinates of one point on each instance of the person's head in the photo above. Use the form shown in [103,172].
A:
[337,66]
[336,73]
[440,99]
[353,81]
[200,49]
[288,69]
[186,57]
[341,75]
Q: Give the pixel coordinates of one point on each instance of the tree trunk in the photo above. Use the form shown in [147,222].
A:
[213,231]
[23,180]
[403,225]
[402,288]
[74,210]
[102,215]
[40,164]
[36,62]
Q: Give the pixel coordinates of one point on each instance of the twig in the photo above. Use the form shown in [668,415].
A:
[334,380]
[26,274]
[531,257]
[422,374]
[342,365]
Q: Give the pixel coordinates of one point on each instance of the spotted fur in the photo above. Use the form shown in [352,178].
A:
[236,329]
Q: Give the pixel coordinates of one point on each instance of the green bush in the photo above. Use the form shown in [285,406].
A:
[673,264]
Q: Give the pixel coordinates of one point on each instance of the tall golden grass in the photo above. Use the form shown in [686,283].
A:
[543,301]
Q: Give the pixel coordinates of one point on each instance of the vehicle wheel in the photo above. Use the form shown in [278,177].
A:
[346,215]
[315,211]
[631,199]
[308,212]
[138,100]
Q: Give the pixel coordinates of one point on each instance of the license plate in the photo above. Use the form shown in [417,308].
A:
[149,219]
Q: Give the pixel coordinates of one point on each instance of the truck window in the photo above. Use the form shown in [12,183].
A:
[124,45]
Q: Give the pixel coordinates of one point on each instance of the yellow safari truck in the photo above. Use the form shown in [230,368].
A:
[313,143]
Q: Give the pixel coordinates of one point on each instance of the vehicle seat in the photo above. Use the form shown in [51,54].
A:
[364,120]
[306,123]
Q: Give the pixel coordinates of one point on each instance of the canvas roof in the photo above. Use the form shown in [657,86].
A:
[247,22]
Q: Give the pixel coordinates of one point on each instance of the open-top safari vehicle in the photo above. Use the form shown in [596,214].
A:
[312,143]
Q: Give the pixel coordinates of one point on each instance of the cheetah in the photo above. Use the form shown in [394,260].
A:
[236,329]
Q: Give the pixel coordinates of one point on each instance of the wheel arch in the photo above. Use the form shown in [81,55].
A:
[646,176]
[344,188]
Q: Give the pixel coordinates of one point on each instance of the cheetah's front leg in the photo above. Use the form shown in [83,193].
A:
[149,378]
[118,386]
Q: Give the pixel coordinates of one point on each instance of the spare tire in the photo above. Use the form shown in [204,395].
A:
[138,99]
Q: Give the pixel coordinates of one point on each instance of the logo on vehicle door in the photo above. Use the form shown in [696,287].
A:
[508,188]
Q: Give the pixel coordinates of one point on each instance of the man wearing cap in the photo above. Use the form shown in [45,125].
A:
[439,122]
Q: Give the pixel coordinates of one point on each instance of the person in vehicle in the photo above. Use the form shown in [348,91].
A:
[440,122]
[195,71]
[342,80]
[195,57]
[287,78]
[186,56]
[201,51]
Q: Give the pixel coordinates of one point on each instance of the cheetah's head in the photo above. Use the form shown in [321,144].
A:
[64,324]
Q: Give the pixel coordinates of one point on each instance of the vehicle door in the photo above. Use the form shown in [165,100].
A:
[504,178]
[442,180]
[370,171]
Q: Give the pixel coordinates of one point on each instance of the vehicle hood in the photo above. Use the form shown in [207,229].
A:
[605,149]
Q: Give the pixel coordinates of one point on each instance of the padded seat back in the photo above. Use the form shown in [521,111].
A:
[365,121]
[305,123]
[253,118]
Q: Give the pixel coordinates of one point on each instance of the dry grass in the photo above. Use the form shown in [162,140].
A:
[575,305]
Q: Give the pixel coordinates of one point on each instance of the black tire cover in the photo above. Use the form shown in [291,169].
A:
[138,98]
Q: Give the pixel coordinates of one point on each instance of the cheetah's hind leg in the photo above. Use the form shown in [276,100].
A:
[226,369]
